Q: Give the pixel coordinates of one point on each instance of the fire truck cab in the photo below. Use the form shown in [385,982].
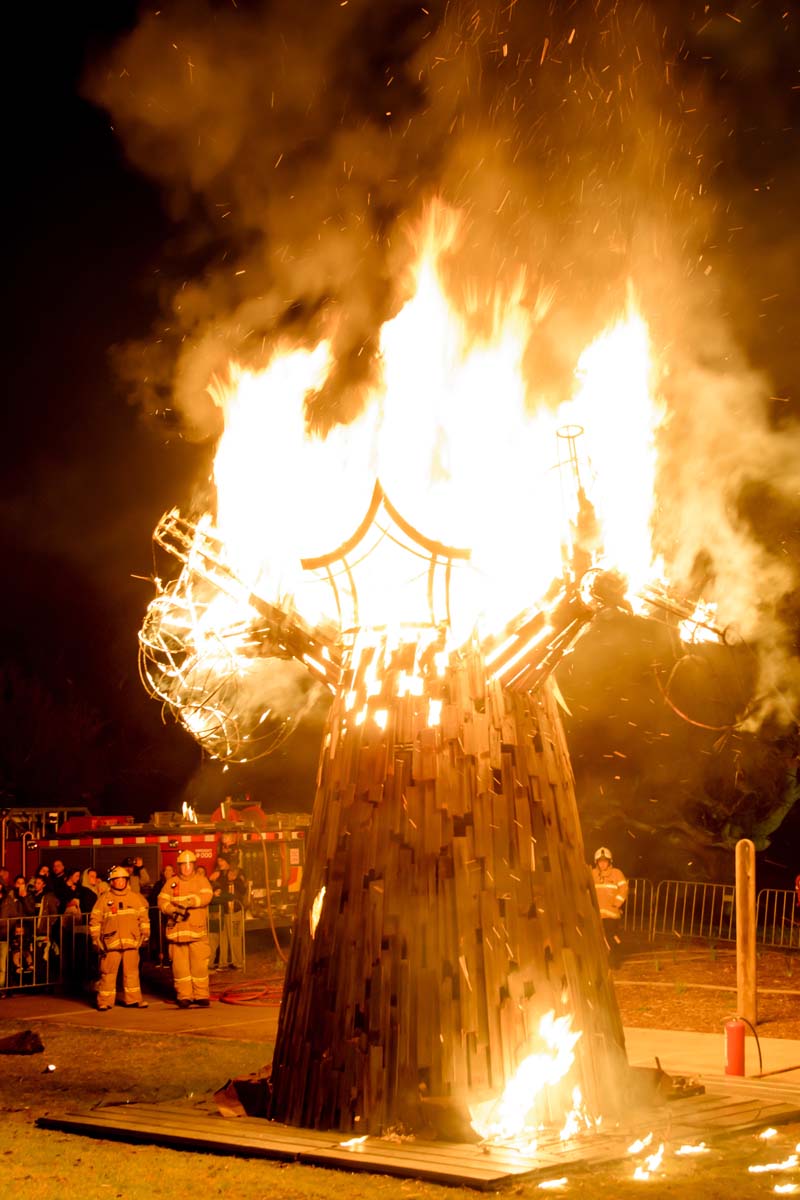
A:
[269,848]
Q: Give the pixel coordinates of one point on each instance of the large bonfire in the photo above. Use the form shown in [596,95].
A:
[537,496]
[429,563]
[429,560]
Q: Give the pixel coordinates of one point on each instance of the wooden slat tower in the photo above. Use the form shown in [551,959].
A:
[458,907]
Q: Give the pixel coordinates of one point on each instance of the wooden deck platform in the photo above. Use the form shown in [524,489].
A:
[731,1108]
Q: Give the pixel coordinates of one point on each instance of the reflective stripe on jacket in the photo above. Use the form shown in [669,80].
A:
[188,924]
[612,891]
[119,920]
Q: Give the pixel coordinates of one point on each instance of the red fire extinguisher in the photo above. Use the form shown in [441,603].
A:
[734,1046]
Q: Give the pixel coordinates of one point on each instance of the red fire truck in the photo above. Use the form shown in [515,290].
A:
[270,847]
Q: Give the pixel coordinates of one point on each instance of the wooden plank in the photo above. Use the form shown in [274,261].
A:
[469,1164]
[474,1167]
[425,849]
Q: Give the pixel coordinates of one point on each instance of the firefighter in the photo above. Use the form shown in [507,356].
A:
[184,900]
[119,924]
[612,892]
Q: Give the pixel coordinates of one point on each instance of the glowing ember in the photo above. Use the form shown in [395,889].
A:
[316,911]
[786,1165]
[700,1148]
[553,1184]
[766,1134]
[509,1118]
[640,1144]
[577,1118]
[651,1164]
[700,627]
[355,1143]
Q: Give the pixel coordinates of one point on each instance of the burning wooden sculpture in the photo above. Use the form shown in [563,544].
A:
[446,907]
[446,911]
[448,933]
[447,927]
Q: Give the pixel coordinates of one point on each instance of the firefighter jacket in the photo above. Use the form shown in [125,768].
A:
[612,891]
[119,920]
[185,903]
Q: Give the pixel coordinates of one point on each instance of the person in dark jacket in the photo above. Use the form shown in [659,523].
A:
[73,889]
[47,930]
[15,904]
[226,915]
[158,926]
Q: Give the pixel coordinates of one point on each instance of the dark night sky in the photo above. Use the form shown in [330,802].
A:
[92,241]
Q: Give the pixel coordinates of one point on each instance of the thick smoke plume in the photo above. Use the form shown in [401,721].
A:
[297,144]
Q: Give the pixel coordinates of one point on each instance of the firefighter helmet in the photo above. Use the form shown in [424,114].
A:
[117,873]
[188,856]
[603,852]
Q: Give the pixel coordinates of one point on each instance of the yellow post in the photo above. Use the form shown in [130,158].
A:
[746,984]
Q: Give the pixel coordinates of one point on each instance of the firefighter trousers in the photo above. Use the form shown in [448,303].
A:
[109,969]
[190,969]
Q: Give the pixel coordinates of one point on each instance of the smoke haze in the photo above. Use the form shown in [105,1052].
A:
[297,144]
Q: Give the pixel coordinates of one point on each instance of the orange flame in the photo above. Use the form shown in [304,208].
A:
[507,1118]
[458,447]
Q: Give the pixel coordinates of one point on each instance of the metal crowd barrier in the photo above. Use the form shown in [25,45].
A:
[56,951]
[40,952]
[637,912]
[684,908]
[778,918]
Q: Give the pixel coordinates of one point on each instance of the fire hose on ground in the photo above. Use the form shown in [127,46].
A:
[259,993]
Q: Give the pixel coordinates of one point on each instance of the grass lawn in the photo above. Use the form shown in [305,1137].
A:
[100,1065]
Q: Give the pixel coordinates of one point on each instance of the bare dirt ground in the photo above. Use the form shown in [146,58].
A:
[693,987]
[97,1065]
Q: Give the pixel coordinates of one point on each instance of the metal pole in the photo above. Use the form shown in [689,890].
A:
[746,989]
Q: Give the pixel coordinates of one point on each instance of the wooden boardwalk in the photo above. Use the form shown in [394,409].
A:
[731,1108]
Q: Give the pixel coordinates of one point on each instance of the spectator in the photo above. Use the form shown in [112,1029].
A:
[74,945]
[45,903]
[158,927]
[47,930]
[16,941]
[145,882]
[55,875]
[230,895]
[139,876]
[72,889]
[91,880]
[611,887]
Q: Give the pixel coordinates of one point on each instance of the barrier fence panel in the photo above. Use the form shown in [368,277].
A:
[637,912]
[778,918]
[56,951]
[684,908]
[31,952]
